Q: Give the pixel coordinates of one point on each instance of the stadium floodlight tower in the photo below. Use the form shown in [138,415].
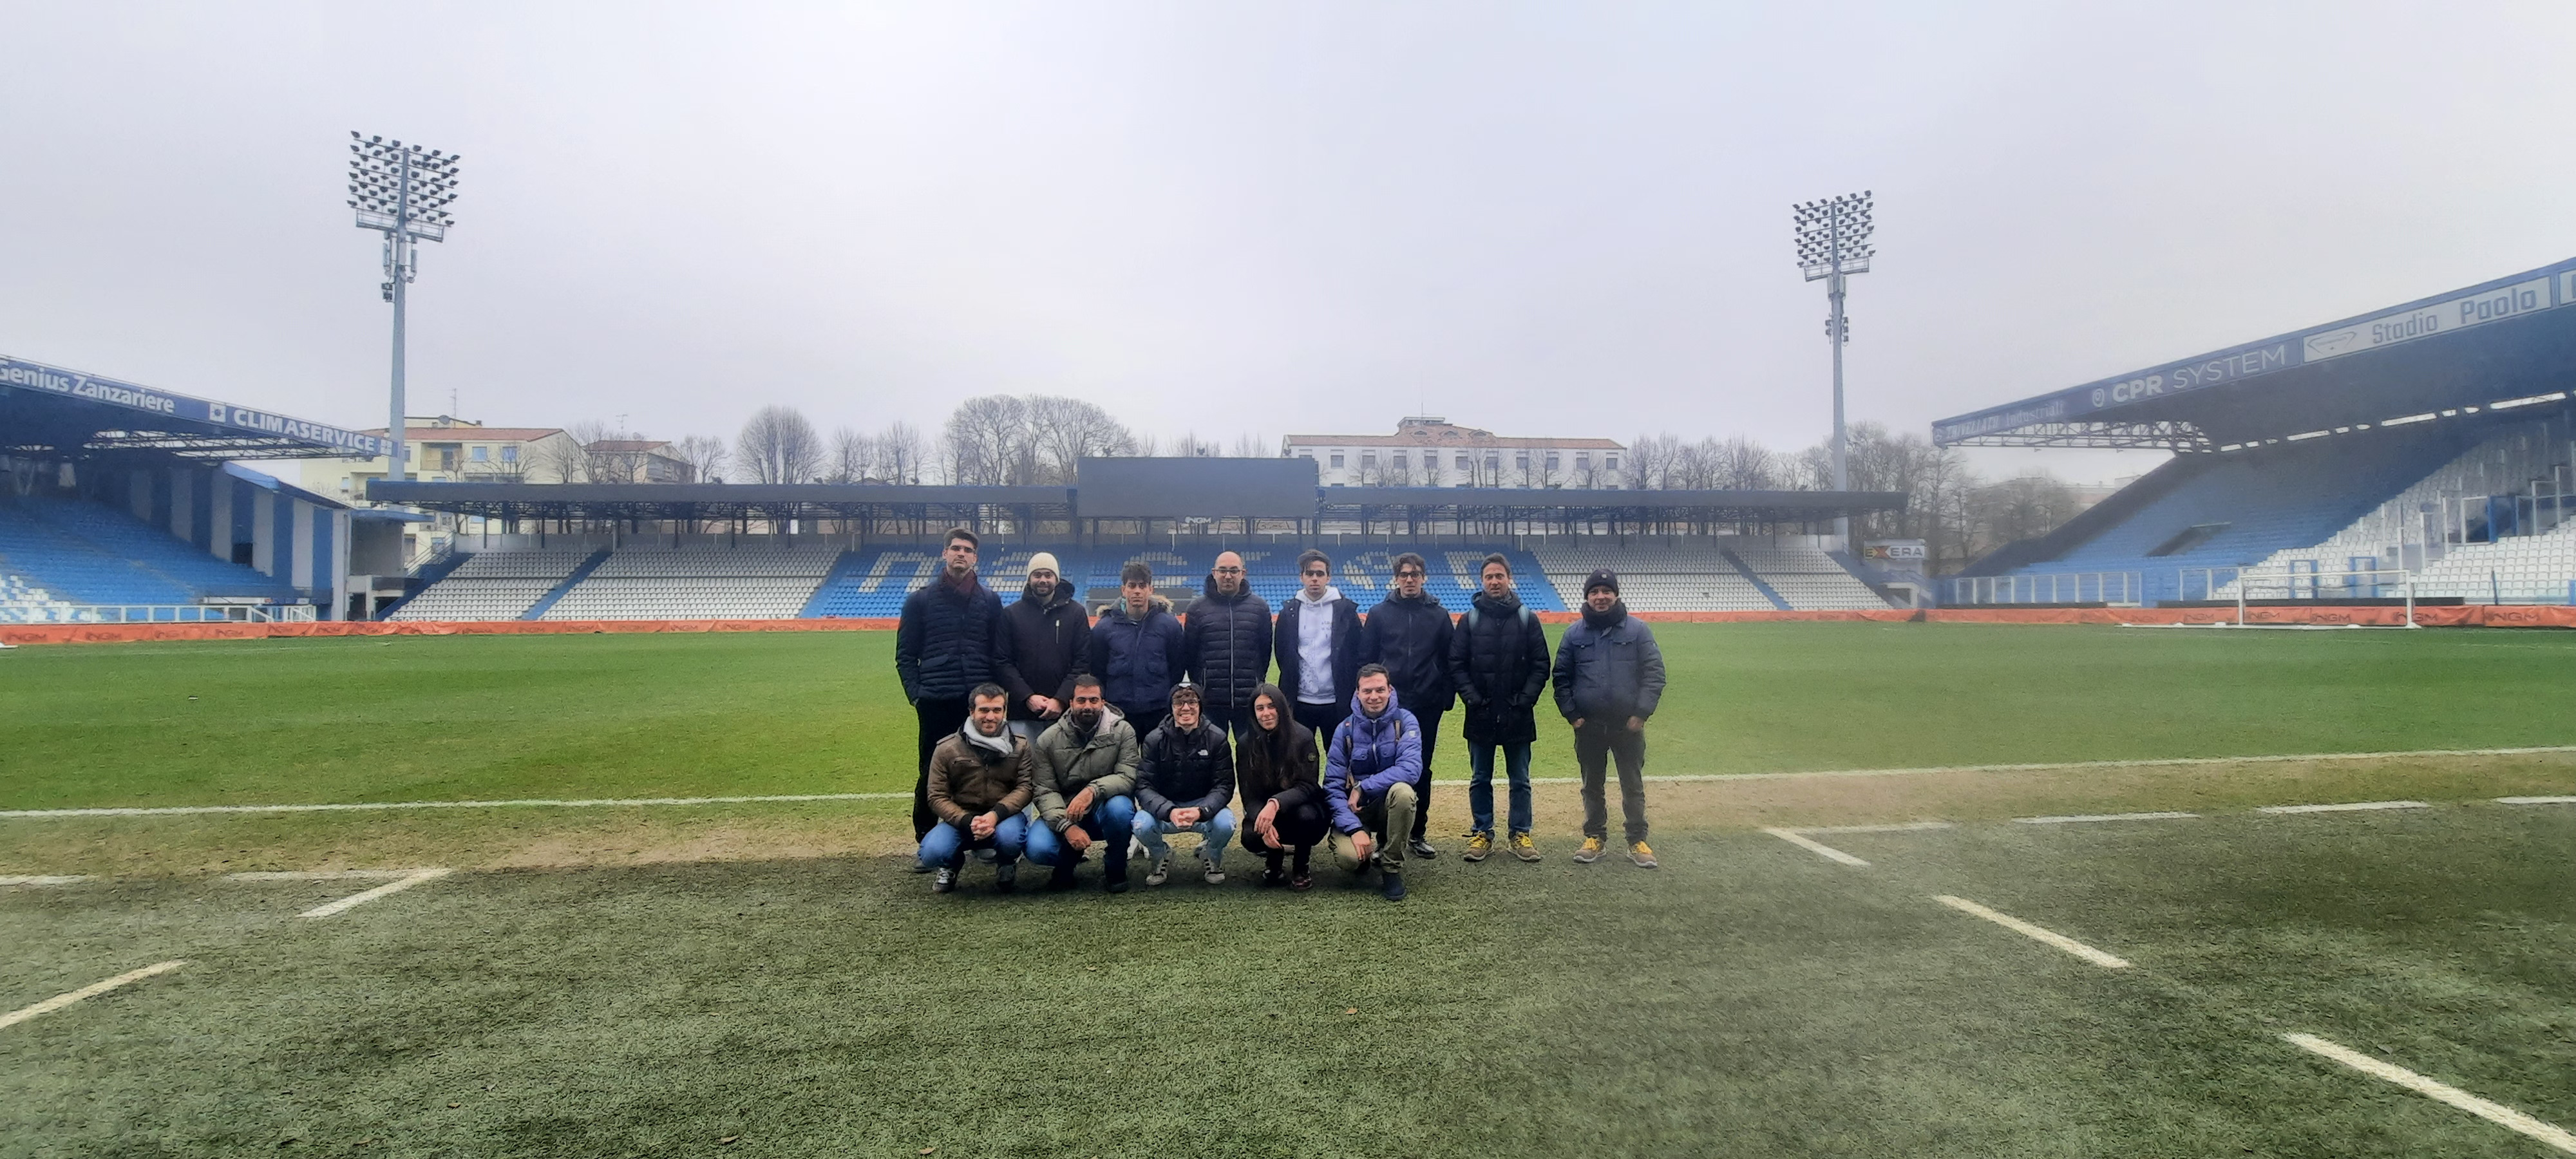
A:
[400,191]
[1833,242]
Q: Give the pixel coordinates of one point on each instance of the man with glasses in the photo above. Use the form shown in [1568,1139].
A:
[1317,641]
[1228,645]
[1408,634]
[944,646]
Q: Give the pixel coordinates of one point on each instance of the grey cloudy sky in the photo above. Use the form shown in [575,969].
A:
[1565,218]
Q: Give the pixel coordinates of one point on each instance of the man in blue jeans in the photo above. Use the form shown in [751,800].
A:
[1183,782]
[1498,657]
[978,783]
[1084,766]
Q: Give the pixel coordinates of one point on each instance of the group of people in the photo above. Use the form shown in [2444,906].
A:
[1045,733]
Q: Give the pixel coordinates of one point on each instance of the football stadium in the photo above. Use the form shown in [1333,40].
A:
[2234,816]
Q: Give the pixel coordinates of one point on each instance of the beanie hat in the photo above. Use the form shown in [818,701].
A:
[1045,561]
[1602,578]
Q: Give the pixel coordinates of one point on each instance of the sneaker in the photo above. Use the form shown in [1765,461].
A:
[1523,847]
[1114,885]
[1060,880]
[1301,883]
[1006,878]
[1161,872]
[1273,879]
[919,867]
[1640,856]
[1421,848]
[1394,887]
[1590,852]
[945,879]
[1208,871]
[1479,843]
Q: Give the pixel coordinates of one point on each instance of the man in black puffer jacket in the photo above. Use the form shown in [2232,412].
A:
[1046,642]
[945,645]
[1499,659]
[1228,645]
[1408,633]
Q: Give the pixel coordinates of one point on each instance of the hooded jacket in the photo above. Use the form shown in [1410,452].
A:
[968,780]
[1411,637]
[1191,769]
[1063,762]
[1608,668]
[1138,660]
[1228,645]
[1498,660]
[947,640]
[1289,643]
[1375,754]
[1045,643]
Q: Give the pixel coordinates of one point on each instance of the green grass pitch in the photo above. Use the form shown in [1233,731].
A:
[1749,998]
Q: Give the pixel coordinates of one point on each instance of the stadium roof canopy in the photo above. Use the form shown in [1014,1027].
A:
[710,501]
[2504,343]
[48,410]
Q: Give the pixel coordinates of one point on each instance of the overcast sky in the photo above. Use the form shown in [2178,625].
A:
[1309,217]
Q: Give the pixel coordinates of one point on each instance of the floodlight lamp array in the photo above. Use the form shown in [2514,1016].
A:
[1833,235]
[399,188]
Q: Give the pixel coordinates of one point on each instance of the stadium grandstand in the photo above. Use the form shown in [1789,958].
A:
[128,504]
[735,551]
[2426,452]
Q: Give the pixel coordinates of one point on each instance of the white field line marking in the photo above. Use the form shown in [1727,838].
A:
[2536,800]
[2344,807]
[359,899]
[42,878]
[1818,848]
[2085,817]
[92,990]
[1660,778]
[321,875]
[2496,1113]
[2027,930]
[1900,827]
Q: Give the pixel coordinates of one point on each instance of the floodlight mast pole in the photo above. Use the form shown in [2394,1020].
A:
[400,191]
[1833,241]
[397,276]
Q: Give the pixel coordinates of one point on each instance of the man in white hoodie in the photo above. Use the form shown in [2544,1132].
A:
[1318,647]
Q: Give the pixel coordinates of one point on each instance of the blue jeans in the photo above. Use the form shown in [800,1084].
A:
[945,846]
[1480,784]
[1217,827]
[1115,817]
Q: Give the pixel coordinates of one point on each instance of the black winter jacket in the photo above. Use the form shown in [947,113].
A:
[1346,649]
[1046,642]
[1608,668]
[947,641]
[1228,645]
[1498,659]
[1411,637]
[1295,777]
[1184,770]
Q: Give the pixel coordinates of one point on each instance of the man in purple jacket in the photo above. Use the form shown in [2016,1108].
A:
[1369,772]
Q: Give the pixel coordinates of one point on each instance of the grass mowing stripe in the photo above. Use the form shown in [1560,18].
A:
[2035,933]
[92,990]
[1897,827]
[359,899]
[2344,807]
[2083,818]
[1818,848]
[362,806]
[42,878]
[2536,800]
[321,875]
[2497,1113]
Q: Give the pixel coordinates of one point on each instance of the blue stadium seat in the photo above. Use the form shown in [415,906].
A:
[875,582]
[93,554]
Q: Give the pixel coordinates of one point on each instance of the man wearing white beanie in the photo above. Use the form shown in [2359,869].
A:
[1045,640]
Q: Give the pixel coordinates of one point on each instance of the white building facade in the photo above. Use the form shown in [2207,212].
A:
[1429,451]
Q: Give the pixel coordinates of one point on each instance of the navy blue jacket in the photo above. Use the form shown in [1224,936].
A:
[1411,637]
[1608,668]
[948,641]
[1138,661]
[1228,645]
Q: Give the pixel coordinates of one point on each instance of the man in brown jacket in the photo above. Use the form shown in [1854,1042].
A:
[979,783]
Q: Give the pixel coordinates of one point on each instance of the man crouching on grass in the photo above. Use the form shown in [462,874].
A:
[1369,771]
[979,782]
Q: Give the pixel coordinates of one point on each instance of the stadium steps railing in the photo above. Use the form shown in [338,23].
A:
[1741,568]
[580,572]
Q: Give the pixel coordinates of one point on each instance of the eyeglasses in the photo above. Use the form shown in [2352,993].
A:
[1408,575]
[1317,571]
[1229,571]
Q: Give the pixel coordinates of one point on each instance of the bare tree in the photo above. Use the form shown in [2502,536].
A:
[1069,430]
[851,457]
[563,456]
[989,441]
[901,453]
[778,445]
[1742,464]
[1250,445]
[705,456]
[1650,461]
